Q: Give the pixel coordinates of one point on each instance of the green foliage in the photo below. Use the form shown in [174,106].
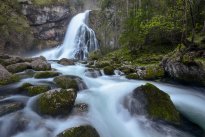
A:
[49,2]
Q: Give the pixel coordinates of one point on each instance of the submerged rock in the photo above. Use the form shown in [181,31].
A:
[67,82]
[66,62]
[93,73]
[81,131]
[18,67]
[157,103]
[57,102]
[9,107]
[46,74]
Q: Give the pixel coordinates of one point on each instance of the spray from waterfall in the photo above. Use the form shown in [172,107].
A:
[79,40]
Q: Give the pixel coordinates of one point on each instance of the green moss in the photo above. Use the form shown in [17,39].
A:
[153,72]
[82,131]
[160,105]
[26,85]
[10,80]
[109,70]
[46,74]
[66,82]
[35,90]
[57,103]
[133,76]
[102,64]
[19,67]
[94,55]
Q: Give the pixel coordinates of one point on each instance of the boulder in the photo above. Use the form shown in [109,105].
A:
[35,90]
[67,82]
[132,76]
[66,62]
[108,70]
[188,68]
[6,77]
[9,107]
[57,102]
[81,131]
[157,103]
[40,64]
[46,74]
[18,67]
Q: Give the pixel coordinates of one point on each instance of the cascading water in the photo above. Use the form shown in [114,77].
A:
[78,42]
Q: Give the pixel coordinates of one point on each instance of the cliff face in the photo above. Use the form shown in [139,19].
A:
[107,23]
[33,25]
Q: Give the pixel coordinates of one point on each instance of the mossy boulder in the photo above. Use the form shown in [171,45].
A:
[95,55]
[40,64]
[18,67]
[46,74]
[109,70]
[102,64]
[26,85]
[151,72]
[35,90]
[57,102]
[81,131]
[68,81]
[158,103]
[66,62]
[132,76]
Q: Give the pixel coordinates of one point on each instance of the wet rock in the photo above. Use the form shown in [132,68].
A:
[109,70]
[19,67]
[10,60]
[66,62]
[9,107]
[79,108]
[93,73]
[25,86]
[40,65]
[81,131]
[102,64]
[188,68]
[67,82]
[158,104]
[35,90]
[6,77]
[59,102]
[46,74]
[133,76]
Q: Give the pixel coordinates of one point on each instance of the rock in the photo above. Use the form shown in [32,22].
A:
[109,70]
[127,69]
[79,108]
[132,76]
[19,67]
[102,64]
[26,85]
[4,74]
[58,102]
[11,60]
[81,131]
[46,74]
[93,73]
[35,90]
[151,72]
[40,65]
[6,77]
[66,62]
[189,68]
[157,103]
[9,107]
[67,82]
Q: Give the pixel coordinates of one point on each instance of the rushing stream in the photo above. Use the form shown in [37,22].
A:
[104,96]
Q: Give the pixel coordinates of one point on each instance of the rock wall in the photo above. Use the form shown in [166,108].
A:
[34,25]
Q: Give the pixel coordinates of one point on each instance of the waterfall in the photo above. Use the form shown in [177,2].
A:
[79,40]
